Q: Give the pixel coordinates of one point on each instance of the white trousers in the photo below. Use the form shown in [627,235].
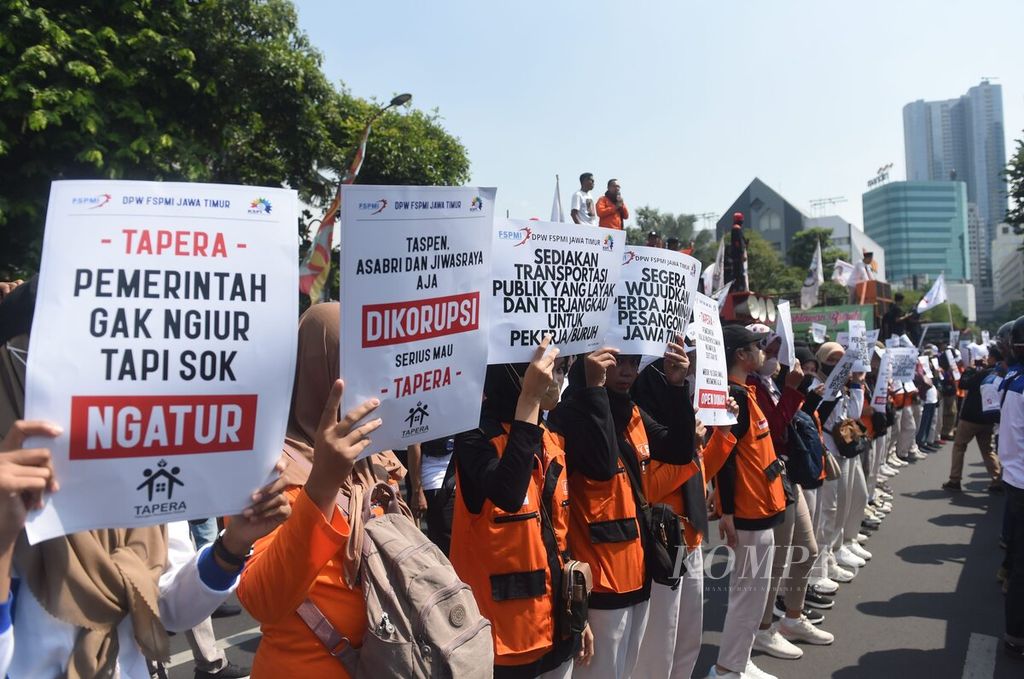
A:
[908,431]
[825,518]
[672,641]
[853,497]
[617,636]
[748,593]
[879,453]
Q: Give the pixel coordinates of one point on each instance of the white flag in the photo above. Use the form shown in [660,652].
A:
[719,280]
[815,277]
[556,205]
[708,277]
[841,274]
[935,296]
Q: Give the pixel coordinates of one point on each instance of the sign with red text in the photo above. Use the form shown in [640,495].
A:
[163,343]
[556,279]
[711,389]
[415,264]
[653,300]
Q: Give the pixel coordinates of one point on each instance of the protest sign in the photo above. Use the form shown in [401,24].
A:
[892,342]
[711,390]
[904,363]
[990,397]
[953,370]
[966,356]
[415,262]
[817,332]
[954,337]
[839,376]
[784,329]
[653,300]
[880,397]
[843,338]
[984,336]
[551,278]
[163,342]
[858,345]
[872,337]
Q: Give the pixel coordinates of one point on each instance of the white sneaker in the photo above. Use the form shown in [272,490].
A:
[774,644]
[755,672]
[801,629]
[917,455]
[870,513]
[882,496]
[896,462]
[825,585]
[840,574]
[847,559]
[714,674]
[882,506]
[861,538]
[886,470]
[859,551]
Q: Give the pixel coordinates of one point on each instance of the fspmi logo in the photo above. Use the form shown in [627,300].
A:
[477,204]
[159,485]
[374,207]
[416,420]
[260,206]
[608,243]
[91,202]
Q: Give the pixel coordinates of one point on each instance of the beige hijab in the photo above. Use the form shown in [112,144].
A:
[91,580]
[316,368]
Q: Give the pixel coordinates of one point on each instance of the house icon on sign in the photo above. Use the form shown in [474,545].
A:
[160,482]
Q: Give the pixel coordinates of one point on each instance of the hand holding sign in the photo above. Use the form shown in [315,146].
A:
[596,365]
[677,363]
[539,377]
[24,476]
[269,509]
[337,447]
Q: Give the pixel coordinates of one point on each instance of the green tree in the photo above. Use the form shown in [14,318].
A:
[1015,188]
[681,226]
[939,314]
[216,91]
[801,251]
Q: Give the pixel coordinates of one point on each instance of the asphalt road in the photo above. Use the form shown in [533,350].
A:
[927,604]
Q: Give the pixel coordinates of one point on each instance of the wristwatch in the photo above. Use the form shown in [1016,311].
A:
[221,551]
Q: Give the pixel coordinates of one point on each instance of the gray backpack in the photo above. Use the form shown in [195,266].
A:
[422,620]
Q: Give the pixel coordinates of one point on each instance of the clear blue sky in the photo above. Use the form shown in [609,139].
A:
[685,101]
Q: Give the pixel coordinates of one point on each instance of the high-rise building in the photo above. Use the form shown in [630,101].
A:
[963,139]
[922,227]
[1007,267]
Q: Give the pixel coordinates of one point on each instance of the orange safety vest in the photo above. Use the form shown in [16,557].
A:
[604,531]
[865,417]
[664,484]
[502,557]
[756,497]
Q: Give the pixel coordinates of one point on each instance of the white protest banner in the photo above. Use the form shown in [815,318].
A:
[990,396]
[966,356]
[880,397]
[872,337]
[818,332]
[984,336]
[954,337]
[905,342]
[904,363]
[784,329]
[858,345]
[653,300]
[711,390]
[551,278]
[839,376]
[892,342]
[415,265]
[843,338]
[163,343]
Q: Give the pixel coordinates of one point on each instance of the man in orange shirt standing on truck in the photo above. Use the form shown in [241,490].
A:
[611,209]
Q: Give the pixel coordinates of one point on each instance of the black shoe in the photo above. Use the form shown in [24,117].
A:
[819,601]
[814,617]
[952,486]
[1013,650]
[229,671]
[226,610]
[996,487]
[870,524]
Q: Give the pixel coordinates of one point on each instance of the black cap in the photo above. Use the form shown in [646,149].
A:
[737,336]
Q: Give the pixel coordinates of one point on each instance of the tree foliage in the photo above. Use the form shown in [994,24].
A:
[217,91]
[668,225]
[1015,188]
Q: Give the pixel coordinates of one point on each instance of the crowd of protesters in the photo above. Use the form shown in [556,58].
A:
[592,464]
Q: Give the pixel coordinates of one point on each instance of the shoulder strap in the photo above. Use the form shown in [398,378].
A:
[335,643]
[633,481]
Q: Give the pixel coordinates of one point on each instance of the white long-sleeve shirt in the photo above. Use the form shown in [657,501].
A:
[1011,430]
[45,643]
[849,404]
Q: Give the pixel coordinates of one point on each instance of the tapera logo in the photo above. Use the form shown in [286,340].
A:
[374,207]
[609,243]
[91,202]
[159,484]
[477,204]
[260,206]
[417,420]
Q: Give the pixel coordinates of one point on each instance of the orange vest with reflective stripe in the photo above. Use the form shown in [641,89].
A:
[663,483]
[502,557]
[866,418]
[603,530]
[756,497]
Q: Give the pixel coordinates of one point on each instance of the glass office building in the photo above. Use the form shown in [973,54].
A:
[923,228]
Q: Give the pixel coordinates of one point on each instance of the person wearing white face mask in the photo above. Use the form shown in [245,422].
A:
[794,537]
